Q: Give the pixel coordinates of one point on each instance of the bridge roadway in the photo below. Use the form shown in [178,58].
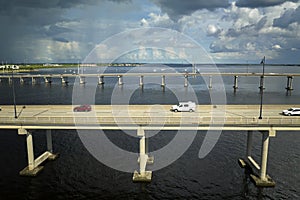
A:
[58,116]
[152,117]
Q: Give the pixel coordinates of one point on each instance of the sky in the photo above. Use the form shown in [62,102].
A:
[233,31]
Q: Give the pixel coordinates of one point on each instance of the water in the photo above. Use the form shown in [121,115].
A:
[76,174]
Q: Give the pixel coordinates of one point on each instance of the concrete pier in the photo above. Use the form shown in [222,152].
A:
[64,80]
[141,80]
[210,82]
[47,79]
[120,80]
[100,80]
[144,159]
[33,80]
[81,80]
[186,82]
[163,80]
[21,80]
[34,167]
[261,180]
[235,83]
[289,84]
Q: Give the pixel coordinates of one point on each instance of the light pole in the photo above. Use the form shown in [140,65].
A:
[262,87]
[14,95]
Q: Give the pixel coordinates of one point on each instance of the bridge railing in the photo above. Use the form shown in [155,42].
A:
[167,120]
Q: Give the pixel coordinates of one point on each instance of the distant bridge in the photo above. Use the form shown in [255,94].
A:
[47,78]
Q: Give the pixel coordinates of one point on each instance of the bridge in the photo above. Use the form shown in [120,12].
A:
[82,77]
[143,118]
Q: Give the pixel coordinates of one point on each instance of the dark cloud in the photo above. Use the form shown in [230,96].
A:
[288,17]
[58,39]
[262,22]
[177,8]
[260,3]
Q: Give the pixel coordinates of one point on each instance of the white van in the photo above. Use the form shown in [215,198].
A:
[184,107]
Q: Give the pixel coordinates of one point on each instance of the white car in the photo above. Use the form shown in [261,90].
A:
[184,107]
[291,111]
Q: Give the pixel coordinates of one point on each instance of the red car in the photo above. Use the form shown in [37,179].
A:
[82,108]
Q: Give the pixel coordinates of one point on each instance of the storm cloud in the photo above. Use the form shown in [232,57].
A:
[288,17]
[178,8]
[261,3]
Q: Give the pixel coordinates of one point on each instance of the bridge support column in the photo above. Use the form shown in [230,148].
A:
[144,159]
[34,167]
[33,80]
[47,80]
[141,80]
[186,82]
[21,80]
[100,80]
[289,84]
[81,80]
[9,80]
[163,81]
[235,84]
[210,82]
[261,180]
[120,80]
[64,80]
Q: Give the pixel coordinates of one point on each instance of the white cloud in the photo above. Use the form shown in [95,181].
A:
[157,20]
[276,47]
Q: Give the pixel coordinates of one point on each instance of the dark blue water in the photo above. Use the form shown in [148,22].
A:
[76,174]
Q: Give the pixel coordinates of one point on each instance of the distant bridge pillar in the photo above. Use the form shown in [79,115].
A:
[210,82]
[163,81]
[81,79]
[47,79]
[144,159]
[120,80]
[186,82]
[100,80]
[141,80]
[235,84]
[21,80]
[289,84]
[33,80]
[34,167]
[64,80]
[9,80]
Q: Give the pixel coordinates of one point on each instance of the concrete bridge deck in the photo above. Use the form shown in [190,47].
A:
[205,115]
